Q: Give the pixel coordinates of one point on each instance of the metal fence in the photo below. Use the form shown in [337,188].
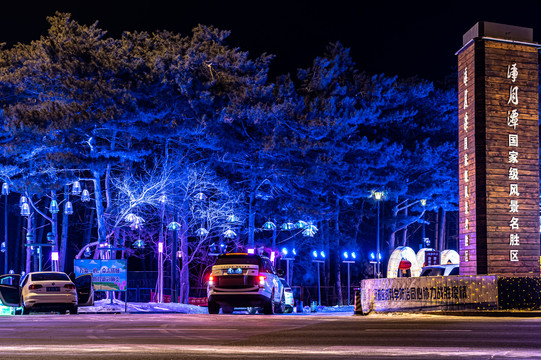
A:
[142,284]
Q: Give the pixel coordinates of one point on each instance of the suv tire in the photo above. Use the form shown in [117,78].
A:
[268,308]
[213,308]
[280,307]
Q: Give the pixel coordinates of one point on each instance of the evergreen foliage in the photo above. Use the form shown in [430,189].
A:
[151,113]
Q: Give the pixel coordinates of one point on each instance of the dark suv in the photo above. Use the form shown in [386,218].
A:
[244,280]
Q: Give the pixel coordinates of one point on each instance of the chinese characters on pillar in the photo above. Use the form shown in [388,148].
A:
[512,159]
[466,163]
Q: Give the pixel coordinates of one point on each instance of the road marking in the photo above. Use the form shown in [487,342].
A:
[419,330]
[168,329]
[46,351]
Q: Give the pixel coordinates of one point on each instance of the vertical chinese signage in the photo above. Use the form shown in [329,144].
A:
[498,151]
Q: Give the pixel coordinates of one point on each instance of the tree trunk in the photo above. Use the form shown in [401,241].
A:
[89,219]
[405,231]
[184,272]
[251,216]
[441,235]
[100,213]
[437,232]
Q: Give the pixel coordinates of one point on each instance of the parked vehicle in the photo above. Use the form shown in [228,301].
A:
[244,280]
[46,291]
[440,270]
[288,296]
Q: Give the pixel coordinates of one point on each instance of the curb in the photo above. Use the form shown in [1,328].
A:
[522,314]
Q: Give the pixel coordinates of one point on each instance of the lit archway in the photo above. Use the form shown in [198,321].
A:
[449,257]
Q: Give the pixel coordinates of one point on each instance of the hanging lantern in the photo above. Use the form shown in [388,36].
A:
[5,189]
[25,209]
[3,247]
[232,218]
[87,252]
[50,238]
[76,188]
[269,225]
[22,200]
[200,196]
[404,264]
[68,208]
[163,198]
[301,224]
[230,234]
[53,208]
[29,238]
[310,231]
[288,226]
[174,226]
[139,244]
[85,196]
[135,221]
[201,232]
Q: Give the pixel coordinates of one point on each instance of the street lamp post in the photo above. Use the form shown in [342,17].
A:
[175,227]
[423,203]
[347,261]
[163,199]
[378,195]
[285,253]
[5,192]
[317,261]
[54,209]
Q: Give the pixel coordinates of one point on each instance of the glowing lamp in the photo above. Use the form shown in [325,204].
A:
[76,188]
[85,196]
[22,200]
[174,226]
[269,225]
[25,209]
[5,189]
[53,208]
[54,255]
[68,208]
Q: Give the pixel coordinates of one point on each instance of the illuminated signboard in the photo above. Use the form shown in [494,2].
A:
[498,151]
[106,274]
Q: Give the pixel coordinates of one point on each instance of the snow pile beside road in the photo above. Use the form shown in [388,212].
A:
[117,306]
[105,306]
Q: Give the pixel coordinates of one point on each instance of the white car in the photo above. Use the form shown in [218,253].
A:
[46,290]
[247,281]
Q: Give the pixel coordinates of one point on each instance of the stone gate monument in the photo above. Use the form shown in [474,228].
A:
[498,151]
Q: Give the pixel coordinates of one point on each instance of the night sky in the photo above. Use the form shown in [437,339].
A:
[404,40]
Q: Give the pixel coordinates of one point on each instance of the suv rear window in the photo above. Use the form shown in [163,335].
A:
[237,259]
[432,272]
[49,276]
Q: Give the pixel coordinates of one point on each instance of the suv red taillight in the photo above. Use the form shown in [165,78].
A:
[34,287]
[262,280]
[70,286]
[211,280]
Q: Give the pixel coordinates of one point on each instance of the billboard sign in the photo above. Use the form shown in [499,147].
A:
[107,275]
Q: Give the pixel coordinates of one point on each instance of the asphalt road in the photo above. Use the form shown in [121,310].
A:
[238,336]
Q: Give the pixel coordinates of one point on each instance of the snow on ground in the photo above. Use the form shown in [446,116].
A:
[117,306]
